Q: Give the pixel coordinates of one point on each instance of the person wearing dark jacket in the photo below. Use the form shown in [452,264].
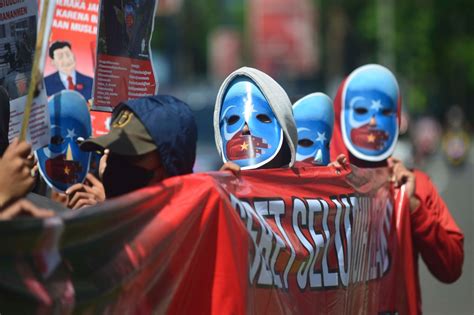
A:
[5,119]
[150,139]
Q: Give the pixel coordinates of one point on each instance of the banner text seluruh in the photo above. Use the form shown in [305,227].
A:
[343,240]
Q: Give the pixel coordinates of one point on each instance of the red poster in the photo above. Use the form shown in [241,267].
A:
[124,69]
[294,241]
[100,123]
[71,56]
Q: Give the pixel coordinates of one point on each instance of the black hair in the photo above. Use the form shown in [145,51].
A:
[57,45]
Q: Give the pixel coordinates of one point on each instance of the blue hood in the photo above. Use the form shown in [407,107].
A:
[170,122]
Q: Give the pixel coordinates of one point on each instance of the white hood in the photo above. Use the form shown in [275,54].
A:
[276,97]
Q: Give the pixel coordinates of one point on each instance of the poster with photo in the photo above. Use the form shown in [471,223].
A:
[72,47]
[18,30]
[71,56]
[124,68]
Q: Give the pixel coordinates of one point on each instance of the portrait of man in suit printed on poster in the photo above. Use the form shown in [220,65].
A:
[66,77]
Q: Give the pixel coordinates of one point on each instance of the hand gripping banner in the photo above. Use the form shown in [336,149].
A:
[282,241]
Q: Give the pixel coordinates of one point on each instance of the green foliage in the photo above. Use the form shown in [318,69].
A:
[433,49]
[433,43]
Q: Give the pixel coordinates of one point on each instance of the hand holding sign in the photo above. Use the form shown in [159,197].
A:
[15,167]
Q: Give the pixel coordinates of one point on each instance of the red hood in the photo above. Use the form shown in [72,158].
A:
[337,143]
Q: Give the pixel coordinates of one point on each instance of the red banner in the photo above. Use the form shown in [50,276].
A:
[299,241]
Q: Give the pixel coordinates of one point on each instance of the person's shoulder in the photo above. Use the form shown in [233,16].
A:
[424,186]
[421,176]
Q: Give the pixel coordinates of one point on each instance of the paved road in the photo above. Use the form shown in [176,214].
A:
[457,188]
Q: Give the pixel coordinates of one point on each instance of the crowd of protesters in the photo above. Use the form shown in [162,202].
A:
[255,126]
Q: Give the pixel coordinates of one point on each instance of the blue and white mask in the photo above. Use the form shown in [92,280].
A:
[251,134]
[369,116]
[62,164]
[314,117]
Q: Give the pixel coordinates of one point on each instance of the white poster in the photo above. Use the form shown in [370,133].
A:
[18,29]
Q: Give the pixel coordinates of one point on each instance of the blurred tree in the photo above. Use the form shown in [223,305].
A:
[428,43]
[433,47]
[183,37]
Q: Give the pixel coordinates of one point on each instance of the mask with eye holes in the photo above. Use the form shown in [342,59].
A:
[61,163]
[369,116]
[314,117]
[251,134]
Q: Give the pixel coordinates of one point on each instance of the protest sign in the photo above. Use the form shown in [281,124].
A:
[19,22]
[124,68]
[72,47]
[72,52]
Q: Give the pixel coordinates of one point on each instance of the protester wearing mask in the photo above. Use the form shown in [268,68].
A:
[61,163]
[367,108]
[63,166]
[150,139]
[253,122]
[314,117]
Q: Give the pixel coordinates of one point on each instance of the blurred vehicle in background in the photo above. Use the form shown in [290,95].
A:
[456,139]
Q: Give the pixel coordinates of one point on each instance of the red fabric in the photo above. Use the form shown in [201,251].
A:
[408,266]
[280,241]
[212,248]
[337,145]
[436,236]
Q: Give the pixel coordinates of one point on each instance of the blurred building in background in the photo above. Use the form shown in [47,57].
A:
[283,38]
[311,45]
[224,52]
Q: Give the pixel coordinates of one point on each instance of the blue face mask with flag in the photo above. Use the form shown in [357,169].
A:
[314,117]
[369,116]
[251,134]
[61,163]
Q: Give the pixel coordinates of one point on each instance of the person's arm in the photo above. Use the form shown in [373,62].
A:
[435,233]
[23,207]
